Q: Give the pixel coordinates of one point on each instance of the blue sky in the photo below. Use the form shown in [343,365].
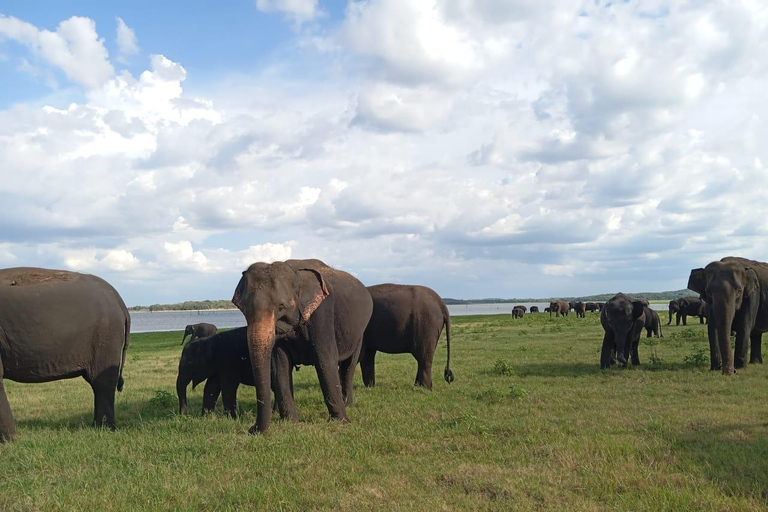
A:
[485,148]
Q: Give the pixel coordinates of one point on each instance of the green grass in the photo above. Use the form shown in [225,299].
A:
[531,423]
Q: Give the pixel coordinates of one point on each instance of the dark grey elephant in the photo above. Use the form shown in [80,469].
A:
[56,325]
[518,311]
[580,308]
[590,307]
[406,319]
[674,307]
[321,309]
[534,309]
[736,293]
[201,330]
[652,323]
[623,319]
[690,306]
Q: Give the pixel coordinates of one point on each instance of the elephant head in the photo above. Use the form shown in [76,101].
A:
[277,300]
[619,315]
[195,366]
[189,330]
[725,285]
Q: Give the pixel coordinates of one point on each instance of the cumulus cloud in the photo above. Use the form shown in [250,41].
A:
[299,10]
[127,43]
[75,47]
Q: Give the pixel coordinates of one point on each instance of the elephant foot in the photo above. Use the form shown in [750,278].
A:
[254,430]
[340,419]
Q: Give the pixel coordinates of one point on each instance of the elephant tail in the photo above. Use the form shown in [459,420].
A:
[120,380]
[448,374]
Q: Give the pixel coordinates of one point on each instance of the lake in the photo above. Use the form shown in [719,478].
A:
[144,321]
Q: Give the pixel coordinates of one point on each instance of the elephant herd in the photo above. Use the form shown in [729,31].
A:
[57,325]
[560,308]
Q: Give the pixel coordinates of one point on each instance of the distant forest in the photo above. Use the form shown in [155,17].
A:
[200,305]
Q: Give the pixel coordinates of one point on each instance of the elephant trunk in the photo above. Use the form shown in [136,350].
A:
[261,340]
[182,381]
[620,335]
[185,337]
[724,311]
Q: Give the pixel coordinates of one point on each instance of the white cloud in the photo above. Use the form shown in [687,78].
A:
[127,43]
[75,48]
[92,260]
[300,10]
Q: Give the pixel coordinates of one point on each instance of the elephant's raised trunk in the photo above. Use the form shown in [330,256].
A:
[724,311]
[182,381]
[261,340]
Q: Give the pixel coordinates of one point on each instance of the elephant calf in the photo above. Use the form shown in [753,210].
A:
[652,323]
[623,320]
[406,320]
[201,330]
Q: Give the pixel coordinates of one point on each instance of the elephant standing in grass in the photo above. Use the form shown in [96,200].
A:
[736,294]
[580,309]
[534,309]
[623,320]
[690,306]
[559,308]
[407,320]
[652,323]
[320,309]
[201,330]
[674,307]
[517,312]
[57,325]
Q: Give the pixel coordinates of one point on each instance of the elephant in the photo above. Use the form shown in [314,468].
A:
[674,307]
[406,319]
[559,308]
[202,330]
[315,306]
[534,309]
[623,319]
[224,362]
[57,325]
[652,323]
[548,310]
[580,309]
[735,291]
[690,306]
[517,312]
[590,307]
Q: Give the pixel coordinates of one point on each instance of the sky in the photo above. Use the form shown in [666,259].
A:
[484,148]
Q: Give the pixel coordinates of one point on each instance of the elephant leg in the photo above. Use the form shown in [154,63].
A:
[424,373]
[741,326]
[635,353]
[104,386]
[7,424]
[677,319]
[229,397]
[756,349]
[367,366]
[605,352]
[323,335]
[211,393]
[282,384]
[347,377]
[685,319]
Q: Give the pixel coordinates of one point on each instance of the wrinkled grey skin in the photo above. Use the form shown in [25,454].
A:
[623,320]
[201,330]
[652,323]
[319,308]
[56,325]
[736,293]
[407,319]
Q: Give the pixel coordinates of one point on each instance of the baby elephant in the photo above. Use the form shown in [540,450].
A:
[406,320]
[652,323]
[198,331]
[223,362]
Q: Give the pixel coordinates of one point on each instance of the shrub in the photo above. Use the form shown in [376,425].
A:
[163,399]
[503,368]
[698,357]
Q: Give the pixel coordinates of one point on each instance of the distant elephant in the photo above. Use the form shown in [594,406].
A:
[548,310]
[56,324]
[534,309]
[623,320]
[590,307]
[735,291]
[406,319]
[202,330]
[318,307]
[580,309]
[652,323]
[674,307]
[559,308]
[517,312]
[690,306]
[600,305]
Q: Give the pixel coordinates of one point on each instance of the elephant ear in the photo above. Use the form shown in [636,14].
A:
[752,284]
[638,308]
[237,298]
[697,281]
[312,292]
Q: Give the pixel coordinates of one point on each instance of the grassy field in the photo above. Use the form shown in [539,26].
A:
[531,423]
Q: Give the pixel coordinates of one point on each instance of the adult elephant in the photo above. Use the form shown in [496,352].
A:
[534,309]
[690,306]
[590,307]
[736,293]
[674,307]
[56,325]
[201,330]
[652,323]
[310,303]
[580,309]
[623,319]
[406,319]
[517,312]
[559,308]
